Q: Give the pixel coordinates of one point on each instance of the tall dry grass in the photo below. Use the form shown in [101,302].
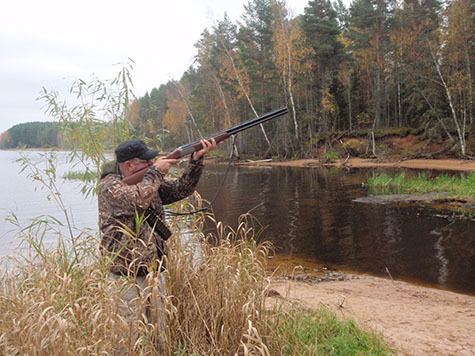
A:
[54,303]
[217,296]
[61,301]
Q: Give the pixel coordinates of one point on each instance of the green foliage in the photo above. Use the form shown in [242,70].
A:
[462,186]
[363,119]
[331,156]
[76,175]
[320,25]
[355,147]
[322,333]
[31,135]
[94,120]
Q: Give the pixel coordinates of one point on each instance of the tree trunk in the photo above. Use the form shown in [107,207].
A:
[460,129]
[245,92]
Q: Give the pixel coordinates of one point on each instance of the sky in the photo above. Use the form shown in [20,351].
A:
[51,43]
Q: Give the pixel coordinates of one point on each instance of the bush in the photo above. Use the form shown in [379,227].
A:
[355,147]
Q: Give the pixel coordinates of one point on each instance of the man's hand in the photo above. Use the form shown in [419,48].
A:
[208,145]
[164,164]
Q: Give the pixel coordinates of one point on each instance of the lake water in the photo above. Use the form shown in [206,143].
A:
[310,214]
[26,200]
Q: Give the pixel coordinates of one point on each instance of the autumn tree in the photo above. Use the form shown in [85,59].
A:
[175,117]
[458,37]
[225,80]
[453,66]
[291,54]
[235,70]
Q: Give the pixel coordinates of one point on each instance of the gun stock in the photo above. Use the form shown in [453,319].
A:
[219,136]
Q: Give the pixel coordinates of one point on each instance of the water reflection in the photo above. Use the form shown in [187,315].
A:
[311,213]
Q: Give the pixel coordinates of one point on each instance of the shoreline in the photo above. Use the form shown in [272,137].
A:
[416,163]
[453,164]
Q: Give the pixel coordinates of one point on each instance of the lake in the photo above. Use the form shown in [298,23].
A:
[310,214]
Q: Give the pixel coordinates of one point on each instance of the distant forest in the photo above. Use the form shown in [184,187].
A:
[375,65]
[31,134]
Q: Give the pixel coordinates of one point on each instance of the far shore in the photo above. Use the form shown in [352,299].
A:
[438,164]
[450,164]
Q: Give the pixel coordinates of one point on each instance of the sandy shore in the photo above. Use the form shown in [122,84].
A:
[415,320]
[441,164]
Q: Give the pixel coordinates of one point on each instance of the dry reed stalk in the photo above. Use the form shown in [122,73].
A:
[48,309]
[214,294]
[54,303]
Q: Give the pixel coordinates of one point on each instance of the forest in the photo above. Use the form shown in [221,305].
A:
[31,134]
[377,65]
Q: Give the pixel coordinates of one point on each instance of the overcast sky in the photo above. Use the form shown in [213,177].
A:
[50,43]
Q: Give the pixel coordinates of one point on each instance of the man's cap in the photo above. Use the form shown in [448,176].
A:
[134,148]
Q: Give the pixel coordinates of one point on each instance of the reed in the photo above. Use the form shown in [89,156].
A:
[60,301]
[461,186]
[84,176]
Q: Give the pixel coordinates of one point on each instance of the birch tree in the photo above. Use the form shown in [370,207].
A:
[292,55]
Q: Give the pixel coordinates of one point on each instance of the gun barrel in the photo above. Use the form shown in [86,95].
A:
[222,135]
[258,120]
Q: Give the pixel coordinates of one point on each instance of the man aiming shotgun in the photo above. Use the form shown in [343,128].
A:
[218,137]
[131,195]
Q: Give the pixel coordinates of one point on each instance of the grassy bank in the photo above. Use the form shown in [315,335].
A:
[62,302]
[462,186]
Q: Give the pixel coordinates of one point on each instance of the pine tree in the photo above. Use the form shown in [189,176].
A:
[256,52]
[320,26]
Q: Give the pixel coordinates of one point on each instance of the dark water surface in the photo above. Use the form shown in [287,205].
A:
[311,214]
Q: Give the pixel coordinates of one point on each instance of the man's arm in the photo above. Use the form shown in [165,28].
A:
[174,190]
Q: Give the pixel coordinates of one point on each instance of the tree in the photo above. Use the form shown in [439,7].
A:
[256,52]
[176,114]
[292,55]
[367,36]
[458,40]
[415,24]
[320,26]
[452,63]
[240,73]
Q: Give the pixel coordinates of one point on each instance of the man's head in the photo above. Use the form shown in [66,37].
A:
[133,155]
[134,148]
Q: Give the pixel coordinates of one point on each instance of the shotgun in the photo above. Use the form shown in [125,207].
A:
[218,136]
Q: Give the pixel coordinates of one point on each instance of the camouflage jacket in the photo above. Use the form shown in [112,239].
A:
[131,251]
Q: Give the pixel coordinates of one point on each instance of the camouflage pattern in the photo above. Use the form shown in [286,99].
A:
[131,251]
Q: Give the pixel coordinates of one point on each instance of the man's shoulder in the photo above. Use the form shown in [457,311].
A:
[109,181]
[109,168]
